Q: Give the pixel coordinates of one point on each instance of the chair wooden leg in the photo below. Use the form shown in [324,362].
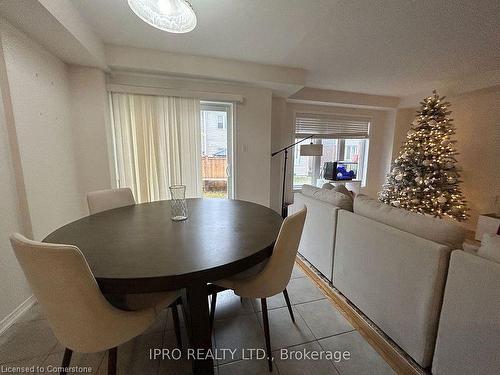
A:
[112,360]
[177,324]
[66,360]
[285,293]
[265,319]
[213,302]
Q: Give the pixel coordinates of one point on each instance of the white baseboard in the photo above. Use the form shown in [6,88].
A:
[10,319]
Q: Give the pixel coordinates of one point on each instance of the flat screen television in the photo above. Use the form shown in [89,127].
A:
[340,170]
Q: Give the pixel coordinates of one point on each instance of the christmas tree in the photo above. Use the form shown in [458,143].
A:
[425,177]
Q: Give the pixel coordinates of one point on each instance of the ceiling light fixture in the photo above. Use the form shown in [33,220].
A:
[174,16]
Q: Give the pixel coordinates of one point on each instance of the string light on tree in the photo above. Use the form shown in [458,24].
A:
[425,177]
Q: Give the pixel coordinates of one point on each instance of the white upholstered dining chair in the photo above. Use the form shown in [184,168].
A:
[102,200]
[108,199]
[81,318]
[275,275]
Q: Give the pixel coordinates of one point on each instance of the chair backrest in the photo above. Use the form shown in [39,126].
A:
[68,294]
[276,274]
[102,200]
[286,247]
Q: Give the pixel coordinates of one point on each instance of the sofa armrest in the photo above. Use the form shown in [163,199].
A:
[469,327]
[318,237]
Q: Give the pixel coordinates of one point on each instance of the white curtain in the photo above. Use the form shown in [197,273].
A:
[157,144]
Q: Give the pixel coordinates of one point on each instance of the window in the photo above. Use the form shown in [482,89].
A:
[220,122]
[344,138]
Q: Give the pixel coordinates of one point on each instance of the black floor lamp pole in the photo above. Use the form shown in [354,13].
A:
[285,149]
[284,209]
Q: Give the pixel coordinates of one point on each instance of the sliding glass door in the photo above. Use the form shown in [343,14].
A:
[161,141]
[216,150]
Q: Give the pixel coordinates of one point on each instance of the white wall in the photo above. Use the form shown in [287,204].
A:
[280,137]
[380,142]
[477,120]
[89,112]
[13,286]
[38,186]
[253,145]
[40,96]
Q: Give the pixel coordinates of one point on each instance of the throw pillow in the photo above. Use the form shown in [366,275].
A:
[309,190]
[339,200]
[340,188]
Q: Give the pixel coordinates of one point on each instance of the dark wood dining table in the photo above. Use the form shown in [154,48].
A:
[139,249]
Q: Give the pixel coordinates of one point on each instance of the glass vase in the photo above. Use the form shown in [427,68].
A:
[178,204]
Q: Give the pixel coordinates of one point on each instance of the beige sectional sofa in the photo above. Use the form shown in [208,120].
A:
[395,267]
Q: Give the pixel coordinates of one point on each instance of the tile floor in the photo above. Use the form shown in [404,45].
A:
[238,325]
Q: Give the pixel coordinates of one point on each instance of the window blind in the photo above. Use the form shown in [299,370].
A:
[331,125]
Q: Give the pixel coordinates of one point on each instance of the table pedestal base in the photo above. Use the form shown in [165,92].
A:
[195,302]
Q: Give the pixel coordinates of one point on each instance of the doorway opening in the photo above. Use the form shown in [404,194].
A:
[216,149]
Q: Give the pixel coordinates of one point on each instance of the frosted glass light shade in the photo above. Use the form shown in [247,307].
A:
[174,16]
[311,150]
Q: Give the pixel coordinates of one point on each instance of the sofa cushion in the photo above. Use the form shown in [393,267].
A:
[490,247]
[431,228]
[328,186]
[339,200]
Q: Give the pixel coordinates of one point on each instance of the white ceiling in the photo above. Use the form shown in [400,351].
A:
[385,47]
